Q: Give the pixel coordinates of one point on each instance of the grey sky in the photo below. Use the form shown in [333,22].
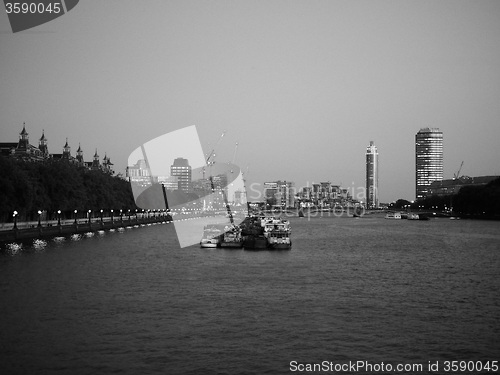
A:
[302,86]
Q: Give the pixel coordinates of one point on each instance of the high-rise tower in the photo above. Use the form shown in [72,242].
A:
[371,176]
[428,159]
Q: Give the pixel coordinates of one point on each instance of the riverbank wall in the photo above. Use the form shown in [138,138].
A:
[26,231]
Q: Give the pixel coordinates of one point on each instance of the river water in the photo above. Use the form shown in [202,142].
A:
[368,289]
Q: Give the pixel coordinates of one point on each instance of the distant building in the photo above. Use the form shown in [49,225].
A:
[139,169]
[271,193]
[280,193]
[42,145]
[107,166]
[239,197]
[79,155]
[182,170]
[139,173]
[202,187]
[170,182]
[428,160]
[372,176]
[323,194]
[453,186]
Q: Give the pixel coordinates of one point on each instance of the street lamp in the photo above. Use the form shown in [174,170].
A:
[15,219]
[59,217]
[111,215]
[89,216]
[76,211]
[39,218]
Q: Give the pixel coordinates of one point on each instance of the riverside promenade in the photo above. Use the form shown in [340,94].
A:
[28,230]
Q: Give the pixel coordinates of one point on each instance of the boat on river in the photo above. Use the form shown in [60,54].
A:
[414,216]
[393,215]
[277,232]
[253,233]
[232,237]
[211,236]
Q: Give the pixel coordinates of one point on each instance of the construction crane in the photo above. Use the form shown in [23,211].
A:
[234,156]
[211,155]
[243,176]
[210,161]
[457,175]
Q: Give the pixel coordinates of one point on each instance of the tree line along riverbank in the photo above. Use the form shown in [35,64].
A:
[52,186]
[482,202]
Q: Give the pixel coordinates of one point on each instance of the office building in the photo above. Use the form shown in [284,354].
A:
[428,160]
[182,170]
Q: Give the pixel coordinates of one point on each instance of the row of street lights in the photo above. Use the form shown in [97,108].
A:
[149,213]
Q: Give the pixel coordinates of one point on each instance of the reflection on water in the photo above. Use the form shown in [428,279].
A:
[350,289]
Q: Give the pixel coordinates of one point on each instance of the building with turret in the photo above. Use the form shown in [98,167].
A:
[23,150]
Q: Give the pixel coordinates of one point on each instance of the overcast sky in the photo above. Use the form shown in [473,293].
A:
[302,86]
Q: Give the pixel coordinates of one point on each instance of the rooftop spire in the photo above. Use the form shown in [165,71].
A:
[24,132]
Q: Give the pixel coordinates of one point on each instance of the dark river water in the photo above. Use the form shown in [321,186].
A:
[369,289]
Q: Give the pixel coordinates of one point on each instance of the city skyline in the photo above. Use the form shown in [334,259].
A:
[301,94]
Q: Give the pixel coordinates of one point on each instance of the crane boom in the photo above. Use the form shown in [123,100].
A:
[457,175]
[210,161]
[235,151]
[211,154]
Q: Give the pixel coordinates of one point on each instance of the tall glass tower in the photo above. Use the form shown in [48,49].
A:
[428,159]
[371,176]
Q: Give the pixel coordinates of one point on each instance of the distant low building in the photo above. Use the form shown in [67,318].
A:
[453,186]
[169,182]
[324,194]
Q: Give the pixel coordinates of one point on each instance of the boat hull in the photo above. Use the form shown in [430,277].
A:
[281,246]
[232,245]
[255,243]
[208,245]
